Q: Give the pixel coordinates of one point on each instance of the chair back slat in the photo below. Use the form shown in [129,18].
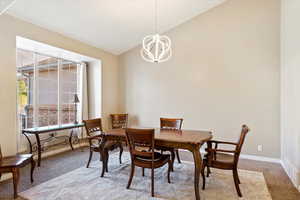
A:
[140,138]
[119,120]
[93,126]
[241,141]
[171,123]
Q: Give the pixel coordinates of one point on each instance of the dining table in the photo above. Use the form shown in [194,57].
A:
[190,140]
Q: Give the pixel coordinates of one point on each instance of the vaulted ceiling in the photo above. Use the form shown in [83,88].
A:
[113,25]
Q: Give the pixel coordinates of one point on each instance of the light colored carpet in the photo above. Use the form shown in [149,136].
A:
[86,184]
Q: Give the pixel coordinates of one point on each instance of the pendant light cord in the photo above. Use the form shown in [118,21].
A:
[156,17]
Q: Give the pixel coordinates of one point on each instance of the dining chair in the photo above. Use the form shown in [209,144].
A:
[12,164]
[119,120]
[145,159]
[94,134]
[224,159]
[171,124]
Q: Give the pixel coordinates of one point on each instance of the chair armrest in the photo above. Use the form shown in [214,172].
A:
[221,142]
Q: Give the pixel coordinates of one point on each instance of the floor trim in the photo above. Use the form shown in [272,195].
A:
[292,172]
[252,157]
[260,158]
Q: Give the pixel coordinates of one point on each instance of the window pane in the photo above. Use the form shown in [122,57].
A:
[25,72]
[43,87]
[68,91]
[47,94]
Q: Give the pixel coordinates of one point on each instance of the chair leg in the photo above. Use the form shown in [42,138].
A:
[203,176]
[106,163]
[152,182]
[177,155]
[236,182]
[90,158]
[169,170]
[172,159]
[121,152]
[208,171]
[16,177]
[104,160]
[32,169]
[143,171]
[131,176]
[238,178]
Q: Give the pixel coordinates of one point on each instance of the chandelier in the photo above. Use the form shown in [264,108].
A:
[5,5]
[156,48]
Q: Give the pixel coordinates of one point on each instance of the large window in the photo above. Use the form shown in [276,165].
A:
[47,87]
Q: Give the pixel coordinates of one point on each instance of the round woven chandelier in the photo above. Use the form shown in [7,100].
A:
[156,48]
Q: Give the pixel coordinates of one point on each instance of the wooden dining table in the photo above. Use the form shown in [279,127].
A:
[190,140]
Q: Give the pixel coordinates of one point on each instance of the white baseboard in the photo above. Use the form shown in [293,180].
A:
[260,158]
[292,172]
[60,150]
[252,157]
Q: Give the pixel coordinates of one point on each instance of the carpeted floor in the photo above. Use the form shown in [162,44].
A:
[86,183]
[278,183]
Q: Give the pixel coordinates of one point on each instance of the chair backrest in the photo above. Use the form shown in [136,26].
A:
[171,123]
[119,120]
[140,138]
[93,126]
[241,141]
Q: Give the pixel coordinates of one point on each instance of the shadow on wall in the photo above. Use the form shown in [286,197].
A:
[133,120]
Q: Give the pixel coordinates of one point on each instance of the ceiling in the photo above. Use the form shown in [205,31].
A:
[113,25]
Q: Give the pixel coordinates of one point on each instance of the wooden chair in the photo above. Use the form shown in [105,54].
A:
[94,132]
[145,159]
[224,159]
[12,164]
[171,124]
[119,120]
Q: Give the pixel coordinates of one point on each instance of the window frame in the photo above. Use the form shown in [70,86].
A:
[35,88]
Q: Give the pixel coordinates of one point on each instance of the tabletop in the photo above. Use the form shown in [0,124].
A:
[182,136]
[51,128]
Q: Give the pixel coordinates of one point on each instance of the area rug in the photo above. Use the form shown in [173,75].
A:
[86,184]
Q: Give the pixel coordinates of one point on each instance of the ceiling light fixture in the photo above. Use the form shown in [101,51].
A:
[156,48]
[5,5]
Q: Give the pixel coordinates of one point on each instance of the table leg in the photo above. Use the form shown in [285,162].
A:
[38,141]
[70,139]
[198,165]
[16,178]
[30,145]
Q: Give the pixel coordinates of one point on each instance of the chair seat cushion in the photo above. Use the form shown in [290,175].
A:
[159,160]
[222,160]
[109,145]
[15,161]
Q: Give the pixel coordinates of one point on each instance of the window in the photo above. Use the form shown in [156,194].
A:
[47,87]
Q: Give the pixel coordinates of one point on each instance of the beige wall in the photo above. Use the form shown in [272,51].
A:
[224,72]
[10,28]
[290,110]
